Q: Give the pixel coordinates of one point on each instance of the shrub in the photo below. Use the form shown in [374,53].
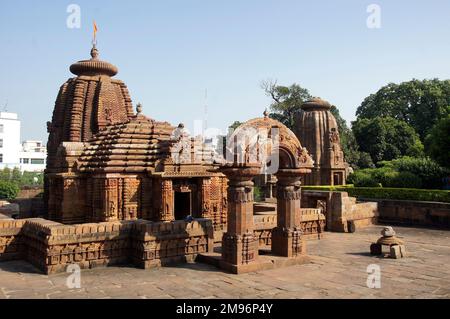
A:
[430,172]
[404,172]
[402,180]
[389,193]
[8,190]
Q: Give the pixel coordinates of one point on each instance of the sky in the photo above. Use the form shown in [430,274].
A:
[170,52]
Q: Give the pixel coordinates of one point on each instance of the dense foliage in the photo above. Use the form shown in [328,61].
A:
[8,190]
[386,138]
[404,172]
[389,193]
[421,104]
[437,143]
[11,180]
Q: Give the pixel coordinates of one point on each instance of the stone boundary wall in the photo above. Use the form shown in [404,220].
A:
[343,213]
[416,213]
[311,221]
[51,246]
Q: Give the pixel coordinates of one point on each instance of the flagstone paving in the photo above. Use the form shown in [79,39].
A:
[338,270]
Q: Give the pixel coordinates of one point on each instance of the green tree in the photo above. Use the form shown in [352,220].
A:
[286,101]
[419,103]
[386,138]
[348,142]
[235,125]
[437,143]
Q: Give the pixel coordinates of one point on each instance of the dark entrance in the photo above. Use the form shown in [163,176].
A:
[337,179]
[182,205]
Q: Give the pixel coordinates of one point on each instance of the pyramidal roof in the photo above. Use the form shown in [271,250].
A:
[137,145]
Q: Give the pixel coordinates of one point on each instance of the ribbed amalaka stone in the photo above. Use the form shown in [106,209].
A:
[317,128]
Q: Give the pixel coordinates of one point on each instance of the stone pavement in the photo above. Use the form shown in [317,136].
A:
[338,270]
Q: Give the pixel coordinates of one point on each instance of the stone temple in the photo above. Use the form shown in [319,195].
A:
[123,188]
[107,163]
[317,128]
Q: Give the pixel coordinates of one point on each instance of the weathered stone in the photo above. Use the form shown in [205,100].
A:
[317,129]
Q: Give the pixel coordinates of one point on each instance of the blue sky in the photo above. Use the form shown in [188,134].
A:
[169,52]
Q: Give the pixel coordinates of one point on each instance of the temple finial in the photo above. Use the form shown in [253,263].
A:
[94,51]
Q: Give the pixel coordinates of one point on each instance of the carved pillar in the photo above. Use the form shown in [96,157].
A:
[206,203]
[239,246]
[167,201]
[287,236]
[111,197]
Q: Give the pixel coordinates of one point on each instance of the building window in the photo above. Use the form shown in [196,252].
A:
[37,161]
[1,142]
[25,160]
[1,158]
[1,128]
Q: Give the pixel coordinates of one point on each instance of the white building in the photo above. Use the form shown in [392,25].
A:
[9,140]
[29,156]
[33,156]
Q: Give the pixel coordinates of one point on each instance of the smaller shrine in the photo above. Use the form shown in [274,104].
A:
[317,128]
[255,147]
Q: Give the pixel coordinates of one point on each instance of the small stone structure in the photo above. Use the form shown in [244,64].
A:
[317,128]
[240,246]
[396,246]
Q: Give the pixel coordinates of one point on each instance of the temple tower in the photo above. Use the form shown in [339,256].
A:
[317,128]
[87,103]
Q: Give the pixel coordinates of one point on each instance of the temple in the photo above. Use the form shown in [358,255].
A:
[124,188]
[107,163]
[317,128]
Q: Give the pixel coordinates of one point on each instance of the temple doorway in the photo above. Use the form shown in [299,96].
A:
[183,205]
[337,179]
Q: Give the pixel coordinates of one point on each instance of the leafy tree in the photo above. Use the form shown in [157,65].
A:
[419,103]
[430,172]
[386,138]
[438,142]
[287,101]
[235,125]
[350,147]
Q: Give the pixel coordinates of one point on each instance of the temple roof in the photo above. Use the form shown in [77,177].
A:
[134,146]
[87,103]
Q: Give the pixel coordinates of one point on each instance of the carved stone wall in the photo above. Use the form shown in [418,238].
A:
[51,246]
[342,211]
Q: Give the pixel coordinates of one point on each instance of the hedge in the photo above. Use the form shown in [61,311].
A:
[8,190]
[388,193]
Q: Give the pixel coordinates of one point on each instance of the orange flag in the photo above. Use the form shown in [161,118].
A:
[95,30]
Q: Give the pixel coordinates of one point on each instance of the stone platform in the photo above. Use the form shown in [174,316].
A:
[338,269]
[265,261]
